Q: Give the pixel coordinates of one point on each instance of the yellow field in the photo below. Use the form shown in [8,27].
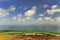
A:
[27,37]
[6,37]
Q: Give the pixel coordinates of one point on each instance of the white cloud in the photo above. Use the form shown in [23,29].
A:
[3,12]
[19,15]
[41,14]
[52,20]
[39,18]
[53,10]
[23,20]
[54,6]
[19,18]
[14,18]
[12,8]
[31,11]
[27,18]
[47,18]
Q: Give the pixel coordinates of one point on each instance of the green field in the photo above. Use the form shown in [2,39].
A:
[30,33]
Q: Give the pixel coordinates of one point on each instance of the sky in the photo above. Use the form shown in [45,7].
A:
[16,12]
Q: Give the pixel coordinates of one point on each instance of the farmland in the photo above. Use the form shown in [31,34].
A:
[29,36]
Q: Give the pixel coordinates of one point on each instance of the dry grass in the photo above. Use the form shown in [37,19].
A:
[28,37]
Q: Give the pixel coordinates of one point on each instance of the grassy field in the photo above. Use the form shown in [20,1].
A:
[30,33]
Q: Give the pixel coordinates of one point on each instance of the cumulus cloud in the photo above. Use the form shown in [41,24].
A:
[27,18]
[53,10]
[47,18]
[19,18]
[14,18]
[40,19]
[41,14]
[12,8]
[3,12]
[52,20]
[54,6]
[31,11]
[19,15]
[23,20]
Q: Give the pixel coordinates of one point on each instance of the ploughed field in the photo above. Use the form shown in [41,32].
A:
[29,36]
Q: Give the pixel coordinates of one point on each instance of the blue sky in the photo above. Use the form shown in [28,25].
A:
[29,11]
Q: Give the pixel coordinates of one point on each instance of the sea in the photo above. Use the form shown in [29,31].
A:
[34,28]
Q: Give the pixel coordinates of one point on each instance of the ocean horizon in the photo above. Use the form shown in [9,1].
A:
[34,28]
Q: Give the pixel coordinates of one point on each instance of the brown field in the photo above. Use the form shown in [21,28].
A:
[28,37]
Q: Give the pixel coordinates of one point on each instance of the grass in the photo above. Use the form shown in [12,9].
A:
[31,33]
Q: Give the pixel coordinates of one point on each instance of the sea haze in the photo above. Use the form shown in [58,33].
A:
[40,28]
